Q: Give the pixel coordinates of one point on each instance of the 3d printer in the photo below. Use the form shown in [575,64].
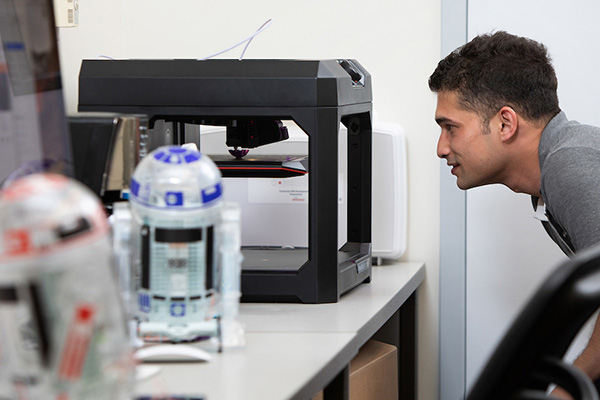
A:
[251,98]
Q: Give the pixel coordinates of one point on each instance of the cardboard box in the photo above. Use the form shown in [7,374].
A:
[373,373]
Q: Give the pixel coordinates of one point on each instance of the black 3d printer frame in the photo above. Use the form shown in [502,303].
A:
[318,96]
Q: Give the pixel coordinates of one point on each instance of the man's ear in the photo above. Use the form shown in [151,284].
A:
[508,123]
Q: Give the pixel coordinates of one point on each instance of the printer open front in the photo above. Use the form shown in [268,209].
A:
[250,98]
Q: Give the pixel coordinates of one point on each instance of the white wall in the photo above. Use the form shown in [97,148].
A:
[398,42]
[508,252]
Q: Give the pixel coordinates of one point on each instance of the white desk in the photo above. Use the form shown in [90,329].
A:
[294,350]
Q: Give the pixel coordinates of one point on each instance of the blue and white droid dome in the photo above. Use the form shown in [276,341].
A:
[173,178]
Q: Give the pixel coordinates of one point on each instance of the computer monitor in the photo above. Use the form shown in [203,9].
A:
[34,133]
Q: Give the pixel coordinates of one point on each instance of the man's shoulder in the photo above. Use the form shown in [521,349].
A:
[572,168]
[568,138]
[573,131]
[574,160]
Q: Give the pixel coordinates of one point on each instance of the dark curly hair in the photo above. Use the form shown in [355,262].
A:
[497,70]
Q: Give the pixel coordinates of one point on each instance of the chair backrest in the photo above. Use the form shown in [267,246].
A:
[529,356]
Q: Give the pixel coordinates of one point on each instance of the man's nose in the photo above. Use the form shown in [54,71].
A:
[443,147]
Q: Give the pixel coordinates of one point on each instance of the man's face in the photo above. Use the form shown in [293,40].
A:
[474,155]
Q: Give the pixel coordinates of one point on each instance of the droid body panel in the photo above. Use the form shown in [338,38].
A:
[176,201]
[63,330]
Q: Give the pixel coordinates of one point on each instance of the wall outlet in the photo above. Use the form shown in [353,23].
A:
[66,13]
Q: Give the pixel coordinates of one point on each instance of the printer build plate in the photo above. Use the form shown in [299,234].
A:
[261,166]
[273,259]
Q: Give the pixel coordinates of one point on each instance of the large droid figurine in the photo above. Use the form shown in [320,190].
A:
[176,203]
[63,331]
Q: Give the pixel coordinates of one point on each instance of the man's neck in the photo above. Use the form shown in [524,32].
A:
[523,169]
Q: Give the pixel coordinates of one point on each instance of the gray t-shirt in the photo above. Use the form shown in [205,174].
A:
[569,155]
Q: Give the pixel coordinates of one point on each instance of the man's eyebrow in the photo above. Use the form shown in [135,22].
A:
[443,120]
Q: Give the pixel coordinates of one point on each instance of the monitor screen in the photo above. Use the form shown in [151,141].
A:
[34,133]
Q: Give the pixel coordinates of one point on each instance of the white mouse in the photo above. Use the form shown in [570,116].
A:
[171,352]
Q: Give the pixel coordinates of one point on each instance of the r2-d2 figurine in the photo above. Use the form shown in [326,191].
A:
[62,326]
[176,203]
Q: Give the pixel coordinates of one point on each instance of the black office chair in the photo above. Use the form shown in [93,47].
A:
[529,357]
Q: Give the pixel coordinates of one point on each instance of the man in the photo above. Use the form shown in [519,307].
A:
[497,106]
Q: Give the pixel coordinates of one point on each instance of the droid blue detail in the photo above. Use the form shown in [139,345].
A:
[178,309]
[211,194]
[192,157]
[177,155]
[174,198]
[144,302]
[135,187]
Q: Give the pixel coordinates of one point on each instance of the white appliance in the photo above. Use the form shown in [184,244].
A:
[389,182]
